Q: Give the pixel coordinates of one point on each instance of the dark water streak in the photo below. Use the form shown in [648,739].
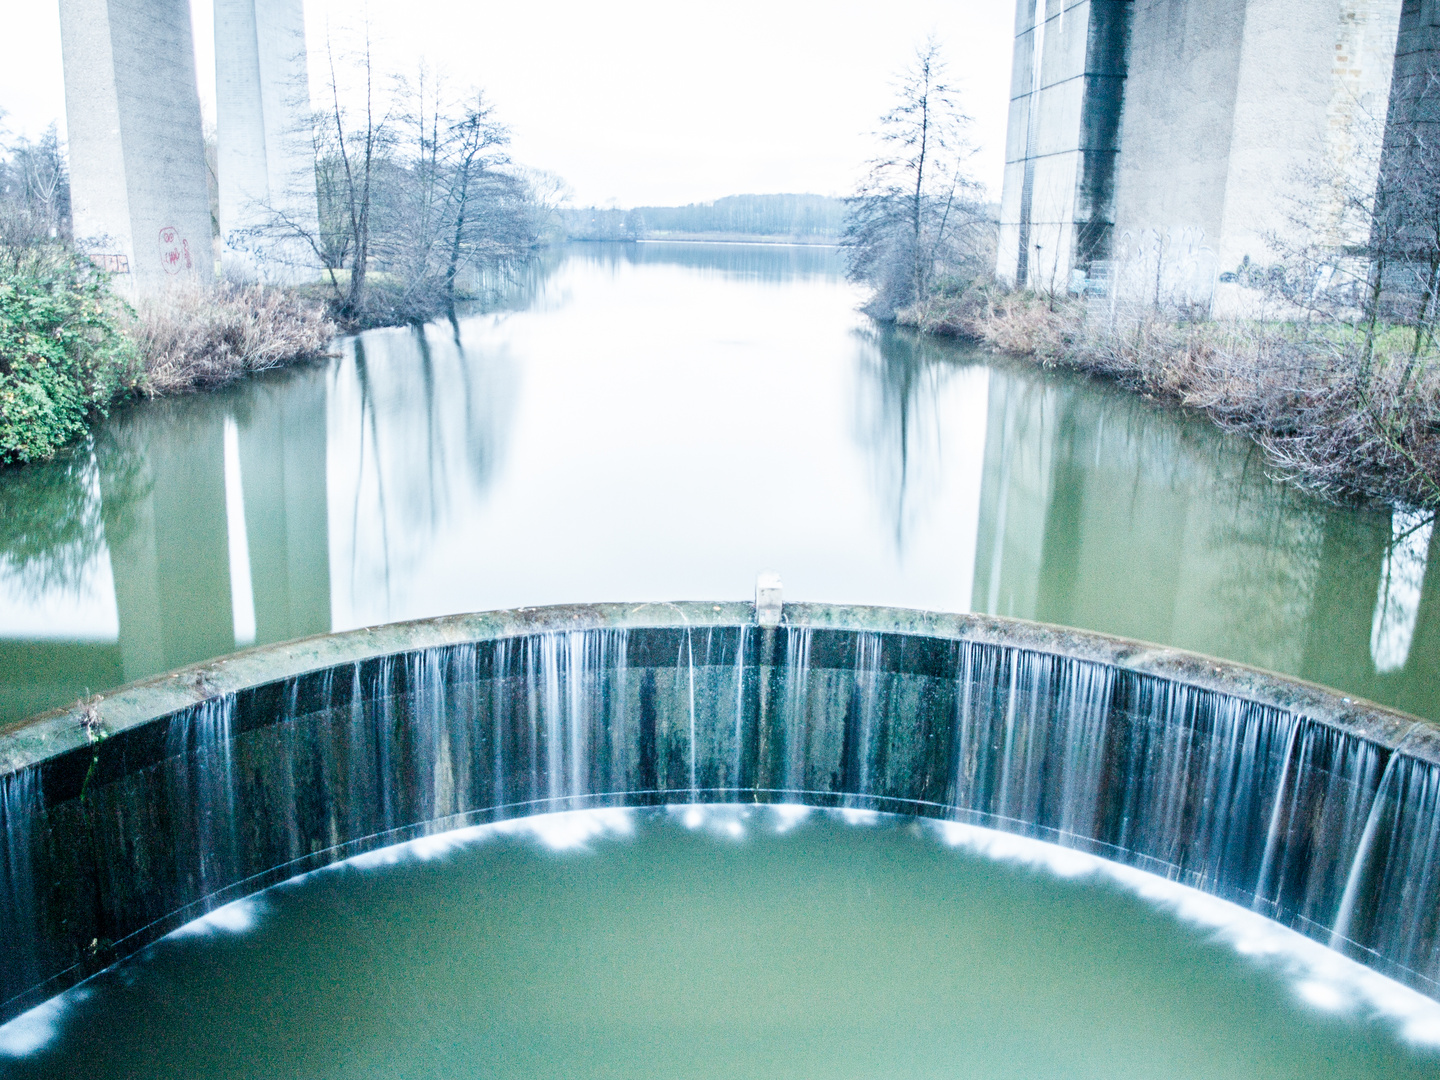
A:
[1329,833]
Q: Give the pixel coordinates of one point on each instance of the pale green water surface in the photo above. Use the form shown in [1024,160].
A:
[661,421]
[723,942]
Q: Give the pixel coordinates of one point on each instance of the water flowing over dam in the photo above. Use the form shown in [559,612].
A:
[190,790]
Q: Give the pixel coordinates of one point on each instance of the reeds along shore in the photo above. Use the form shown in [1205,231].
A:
[205,336]
[1329,418]
[70,348]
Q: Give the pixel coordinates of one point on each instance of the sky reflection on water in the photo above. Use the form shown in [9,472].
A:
[659,422]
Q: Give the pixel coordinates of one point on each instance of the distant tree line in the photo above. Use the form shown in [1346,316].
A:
[794,217]
[596,223]
[798,216]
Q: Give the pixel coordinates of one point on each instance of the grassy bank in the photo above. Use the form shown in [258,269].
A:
[70,348]
[1341,420]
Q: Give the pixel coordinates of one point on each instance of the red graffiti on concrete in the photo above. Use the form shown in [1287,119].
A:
[174,251]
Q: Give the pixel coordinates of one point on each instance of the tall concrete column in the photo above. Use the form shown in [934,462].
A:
[266,161]
[1066,95]
[1310,104]
[1238,116]
[1170,141]
[137,152]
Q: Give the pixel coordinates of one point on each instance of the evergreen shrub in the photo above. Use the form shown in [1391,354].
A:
[64,355]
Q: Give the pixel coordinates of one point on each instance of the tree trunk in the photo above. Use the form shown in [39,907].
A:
[1377,286]
[462,203]
[1423,328]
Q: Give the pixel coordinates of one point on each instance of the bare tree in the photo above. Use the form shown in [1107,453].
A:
[414,188]
[912,211]
[548,192]
[35,188]
[360,150]
[476,148]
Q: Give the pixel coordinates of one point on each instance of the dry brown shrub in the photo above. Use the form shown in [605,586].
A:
[1023,324]
[1301,392]
[199,337]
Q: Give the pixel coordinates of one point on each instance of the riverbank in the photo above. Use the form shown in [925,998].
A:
[1328,419]
[204,337]
[916,472]
[71,348]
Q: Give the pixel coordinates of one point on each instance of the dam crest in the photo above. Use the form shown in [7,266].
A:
[125,819]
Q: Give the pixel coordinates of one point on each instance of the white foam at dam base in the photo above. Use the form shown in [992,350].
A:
[1319,976]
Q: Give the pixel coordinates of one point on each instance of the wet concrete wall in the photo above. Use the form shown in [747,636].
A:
[194,789]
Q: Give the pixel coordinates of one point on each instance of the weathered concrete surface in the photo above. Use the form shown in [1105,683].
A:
[137,155]
[1232,112]
[182,792]
[265,158]
[1065,105]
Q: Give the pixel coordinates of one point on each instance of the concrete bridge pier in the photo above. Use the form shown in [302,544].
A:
[266,161]
[1158,151]
[137,153]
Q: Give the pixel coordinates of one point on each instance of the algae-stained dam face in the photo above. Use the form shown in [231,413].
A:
[184,792]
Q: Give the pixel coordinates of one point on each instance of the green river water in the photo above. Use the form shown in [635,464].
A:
[730,942]
[662,421]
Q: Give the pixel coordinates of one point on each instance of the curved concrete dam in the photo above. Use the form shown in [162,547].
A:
[131,816]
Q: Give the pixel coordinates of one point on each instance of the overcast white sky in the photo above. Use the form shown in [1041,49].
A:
[637,102]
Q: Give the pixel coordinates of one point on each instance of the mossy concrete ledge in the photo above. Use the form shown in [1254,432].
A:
[125,818]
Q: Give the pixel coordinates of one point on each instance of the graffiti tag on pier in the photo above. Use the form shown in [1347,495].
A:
[174,251]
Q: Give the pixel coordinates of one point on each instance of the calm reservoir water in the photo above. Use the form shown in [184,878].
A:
[661,421]
[723,942]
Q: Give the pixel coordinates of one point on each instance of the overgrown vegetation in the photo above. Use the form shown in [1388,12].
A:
[197,338]
[64,355]
[1338,412]
[915,227]
[70,348]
